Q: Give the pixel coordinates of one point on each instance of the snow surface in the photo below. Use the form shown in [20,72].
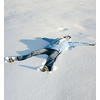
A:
[74,73]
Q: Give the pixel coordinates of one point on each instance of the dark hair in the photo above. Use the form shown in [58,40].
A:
[67,36]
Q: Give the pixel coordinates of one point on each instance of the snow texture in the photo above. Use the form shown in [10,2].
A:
[73,76]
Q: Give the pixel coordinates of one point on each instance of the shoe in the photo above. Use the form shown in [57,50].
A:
[45,68]
[11,60]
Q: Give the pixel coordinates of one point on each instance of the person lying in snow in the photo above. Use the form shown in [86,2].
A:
[55,48]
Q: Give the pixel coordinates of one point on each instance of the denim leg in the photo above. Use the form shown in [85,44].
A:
[34,53]
[51,59]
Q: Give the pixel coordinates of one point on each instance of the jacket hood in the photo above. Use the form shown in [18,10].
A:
[67,36]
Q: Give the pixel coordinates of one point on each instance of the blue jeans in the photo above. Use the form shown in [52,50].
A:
[52,55]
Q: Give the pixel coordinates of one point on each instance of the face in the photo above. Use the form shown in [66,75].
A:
[67,38]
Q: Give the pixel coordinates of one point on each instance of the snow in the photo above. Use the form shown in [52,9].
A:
[74,73]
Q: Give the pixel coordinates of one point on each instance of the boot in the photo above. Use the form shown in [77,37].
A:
[45,68]
[11,60]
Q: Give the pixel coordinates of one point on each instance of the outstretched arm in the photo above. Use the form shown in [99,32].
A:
[81,44]
[47,39]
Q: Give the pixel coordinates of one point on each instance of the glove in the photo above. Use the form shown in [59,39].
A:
[91,44]
[42,37]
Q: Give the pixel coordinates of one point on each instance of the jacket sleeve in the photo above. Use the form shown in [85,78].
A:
[48,40]
[79,44]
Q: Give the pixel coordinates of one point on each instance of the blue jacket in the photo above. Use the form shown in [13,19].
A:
[61,44]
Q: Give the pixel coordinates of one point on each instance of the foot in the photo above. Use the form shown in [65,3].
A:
[45,68]
[11,60]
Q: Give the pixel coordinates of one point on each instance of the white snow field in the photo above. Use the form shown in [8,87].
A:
[74,73]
